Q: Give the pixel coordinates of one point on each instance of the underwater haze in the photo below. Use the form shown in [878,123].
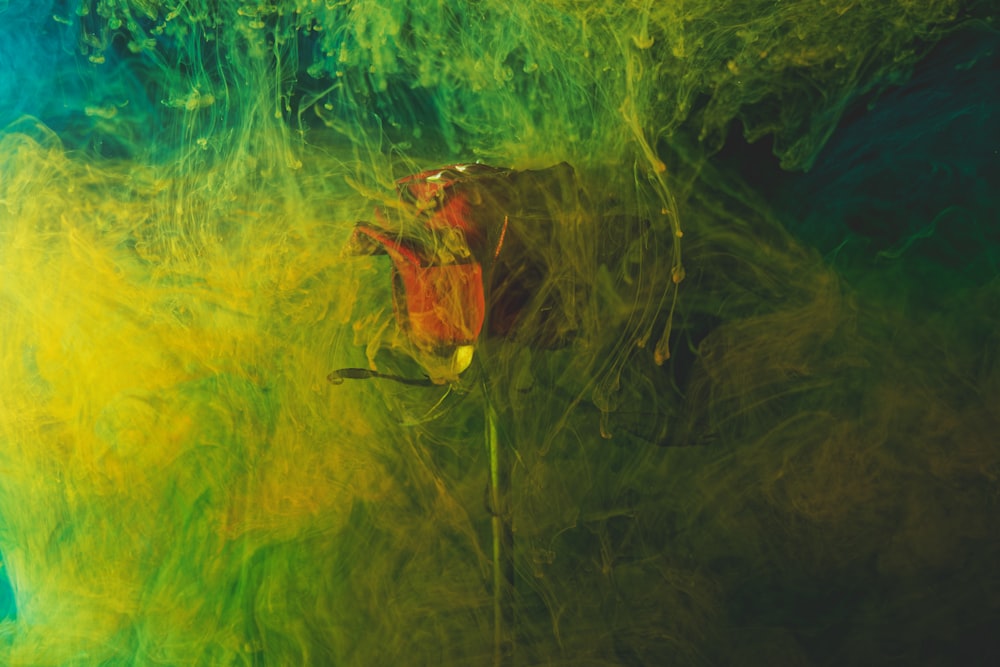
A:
[736,399]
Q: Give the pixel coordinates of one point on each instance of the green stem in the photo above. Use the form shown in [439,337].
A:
[503,564]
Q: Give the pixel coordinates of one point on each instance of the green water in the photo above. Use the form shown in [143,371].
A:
[770,439]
